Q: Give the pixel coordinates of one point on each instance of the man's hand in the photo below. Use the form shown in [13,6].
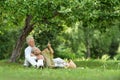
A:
[49,45]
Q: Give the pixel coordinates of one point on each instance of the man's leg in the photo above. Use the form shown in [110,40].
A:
[26,63]
[58,62]
[32,61]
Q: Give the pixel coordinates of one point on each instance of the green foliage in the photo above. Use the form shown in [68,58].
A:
[92,23]
[105,57]
[117,57]
[7,43]
[64,52]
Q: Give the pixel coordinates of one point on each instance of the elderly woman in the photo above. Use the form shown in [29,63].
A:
[37,53]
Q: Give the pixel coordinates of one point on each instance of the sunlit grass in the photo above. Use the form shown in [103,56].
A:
[85,71]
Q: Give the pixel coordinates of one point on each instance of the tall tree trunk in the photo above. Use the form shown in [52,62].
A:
[17,49]
[113,48]
[87,42]
[88,52]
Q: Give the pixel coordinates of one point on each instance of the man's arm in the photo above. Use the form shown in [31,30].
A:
[50,48]
[28,53]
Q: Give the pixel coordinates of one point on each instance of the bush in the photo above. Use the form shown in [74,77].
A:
[117,57]
[7,43]
[64,52]
[105,57]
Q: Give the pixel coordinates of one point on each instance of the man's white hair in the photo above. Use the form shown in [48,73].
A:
[29,38]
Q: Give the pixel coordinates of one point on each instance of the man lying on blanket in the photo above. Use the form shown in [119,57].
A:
[55,62]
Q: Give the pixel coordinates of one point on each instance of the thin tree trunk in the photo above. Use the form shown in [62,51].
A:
[17,49]
[113,48]
[88,52]
[87,42]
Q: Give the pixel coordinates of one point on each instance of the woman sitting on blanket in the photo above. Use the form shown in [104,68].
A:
[36,52]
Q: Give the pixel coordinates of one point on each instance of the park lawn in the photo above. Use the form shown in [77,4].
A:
[16,71]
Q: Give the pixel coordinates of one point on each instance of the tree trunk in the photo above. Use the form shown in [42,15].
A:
[88,52]
[87,42]
[17,49]
[113,48]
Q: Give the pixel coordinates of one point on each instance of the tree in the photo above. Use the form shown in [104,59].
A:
[27,29]
[89,22]
[46,11]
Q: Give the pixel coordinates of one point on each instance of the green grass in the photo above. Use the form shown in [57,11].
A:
[99,64]
[87,70]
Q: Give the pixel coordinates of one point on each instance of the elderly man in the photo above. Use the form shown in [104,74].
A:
[48,54]
[30,60]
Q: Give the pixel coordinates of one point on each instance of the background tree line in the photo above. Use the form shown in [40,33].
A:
[75,28]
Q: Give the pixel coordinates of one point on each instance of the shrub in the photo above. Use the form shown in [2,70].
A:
[64,52]
[105,57]
[117,57]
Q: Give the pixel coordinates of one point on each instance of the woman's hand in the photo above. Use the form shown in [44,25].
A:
[32,54]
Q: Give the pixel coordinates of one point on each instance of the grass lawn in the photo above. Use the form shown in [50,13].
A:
[87,70]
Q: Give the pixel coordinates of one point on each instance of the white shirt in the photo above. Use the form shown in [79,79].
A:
[28,58]
[28,51]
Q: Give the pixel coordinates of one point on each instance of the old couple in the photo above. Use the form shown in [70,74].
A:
[37,58]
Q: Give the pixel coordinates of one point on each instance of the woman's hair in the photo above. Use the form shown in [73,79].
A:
[33,49]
